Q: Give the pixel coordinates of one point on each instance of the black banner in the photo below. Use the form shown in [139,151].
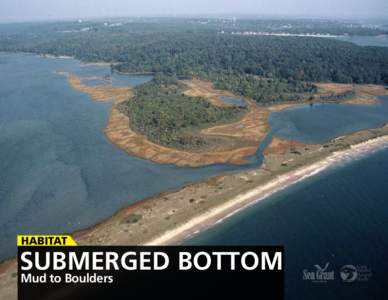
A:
[110,272]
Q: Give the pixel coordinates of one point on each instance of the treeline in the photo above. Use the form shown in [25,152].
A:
[290,58]
[265,90]
[335,97]
[230,61]
[201,54]
[160,111]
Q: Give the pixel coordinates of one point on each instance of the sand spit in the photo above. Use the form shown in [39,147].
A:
[105,92]
[168,211]
[363,93]
[172,217]
[57,56]
[281,182]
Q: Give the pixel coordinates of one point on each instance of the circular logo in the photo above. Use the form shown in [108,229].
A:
[348,273]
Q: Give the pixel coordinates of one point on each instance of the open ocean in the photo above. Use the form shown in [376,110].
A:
[339,216]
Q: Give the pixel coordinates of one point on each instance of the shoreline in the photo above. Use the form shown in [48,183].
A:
[279,183]
[250,187]
[251,128]
[373,140]
[112,230]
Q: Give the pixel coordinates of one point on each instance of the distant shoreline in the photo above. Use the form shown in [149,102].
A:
[283,34]
[57,56]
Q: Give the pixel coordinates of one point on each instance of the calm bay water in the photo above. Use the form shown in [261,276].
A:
[379,40]
[321,122]
[339,216]
[59,173]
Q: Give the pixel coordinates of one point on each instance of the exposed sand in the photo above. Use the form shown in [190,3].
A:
[170,218]
[235,141]
[57,56]
[105,92]
[166,220]
[202,88]
[240,138]
[280,146]
[168,211]
[97,64]
[364,93]
[229,208]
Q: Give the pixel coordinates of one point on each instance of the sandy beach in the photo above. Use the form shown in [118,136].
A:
[117,231]
[281,182]
[174,216]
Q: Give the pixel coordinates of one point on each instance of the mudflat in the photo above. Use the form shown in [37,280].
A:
[246,134]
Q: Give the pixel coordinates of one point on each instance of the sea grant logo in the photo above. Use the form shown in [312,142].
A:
[114,272]
[348,273]
[351,273]
[319,275]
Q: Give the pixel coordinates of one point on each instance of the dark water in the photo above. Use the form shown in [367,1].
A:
[380,40]
[115,79]
[58,171]
[320,122]
[339,217]
[234,101]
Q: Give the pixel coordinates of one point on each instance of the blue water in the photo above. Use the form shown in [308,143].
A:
[234,101]
[339,217]
[58,171]
[380,40]
[115,78]
[320,122]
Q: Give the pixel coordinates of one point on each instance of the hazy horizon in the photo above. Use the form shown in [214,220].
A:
[48,10]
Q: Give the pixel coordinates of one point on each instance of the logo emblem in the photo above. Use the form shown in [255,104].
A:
[320,274]
[348,273]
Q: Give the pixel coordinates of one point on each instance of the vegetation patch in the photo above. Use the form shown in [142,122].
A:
[265,90]
[131,219]
[162,112]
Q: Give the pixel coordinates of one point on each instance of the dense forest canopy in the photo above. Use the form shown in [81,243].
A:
[265,90]
[196,47]
[160,111]
[264,68]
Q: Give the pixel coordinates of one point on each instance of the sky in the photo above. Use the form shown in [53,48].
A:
[28,10]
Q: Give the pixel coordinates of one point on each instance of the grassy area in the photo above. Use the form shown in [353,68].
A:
[167,117]
[131,219]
